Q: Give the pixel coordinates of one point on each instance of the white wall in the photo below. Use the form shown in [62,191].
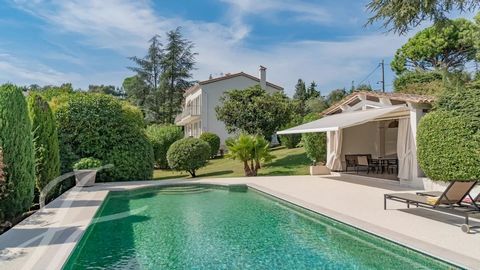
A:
[361,139]
[211,94]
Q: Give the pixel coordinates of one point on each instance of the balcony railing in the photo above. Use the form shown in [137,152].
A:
[188,112]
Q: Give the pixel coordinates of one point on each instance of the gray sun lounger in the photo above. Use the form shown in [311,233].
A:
[449,201]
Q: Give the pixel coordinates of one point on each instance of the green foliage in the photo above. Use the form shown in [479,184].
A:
[335,96]
[300,91]
[188,154]
[16,141]
[315,144]
[400,16]
[252,150]
[316,105]
[292,140]
[419,82]
[446,47]
[87,163]
[364,87]
[162,137]
[45,141]
[449,146]
[97,125]
[50,92]
[462,101]
[106,89]
[213,140]
[162,77]
[253,111]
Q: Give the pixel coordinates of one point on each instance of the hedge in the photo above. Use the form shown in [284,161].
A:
[315,144]
[449,147]
[45,141]
[18,154]
[161,137]
[98,126]
[188,154]
[213,141]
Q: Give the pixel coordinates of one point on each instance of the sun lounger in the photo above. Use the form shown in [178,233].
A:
[449,200]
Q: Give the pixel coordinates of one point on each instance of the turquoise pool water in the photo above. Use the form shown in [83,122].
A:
[197,227]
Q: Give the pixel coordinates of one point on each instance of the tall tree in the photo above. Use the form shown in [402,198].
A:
[335,96]
[177,63]
[446,47]
[312,91]
[400,16]
[136,90]
[149,70]
[300,90]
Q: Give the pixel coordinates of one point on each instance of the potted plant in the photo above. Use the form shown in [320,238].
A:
[319,169]
[316,149]
[85,171]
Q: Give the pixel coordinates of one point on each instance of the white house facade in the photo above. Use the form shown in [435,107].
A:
[380,126]
[199,114]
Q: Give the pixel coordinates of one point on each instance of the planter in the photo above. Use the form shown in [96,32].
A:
[85,178]
[319,170]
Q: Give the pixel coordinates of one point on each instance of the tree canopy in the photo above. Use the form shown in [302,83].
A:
[400,16]
[446,47]
[253,111]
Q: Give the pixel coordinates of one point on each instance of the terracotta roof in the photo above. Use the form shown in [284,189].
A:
[226,77]
[413,98]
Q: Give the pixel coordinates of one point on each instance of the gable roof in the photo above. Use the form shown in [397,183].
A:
[226,77]
[398,97]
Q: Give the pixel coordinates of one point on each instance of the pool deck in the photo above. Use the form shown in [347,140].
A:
[45,239]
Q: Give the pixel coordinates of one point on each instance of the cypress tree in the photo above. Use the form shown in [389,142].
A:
[45,141]
[18,156]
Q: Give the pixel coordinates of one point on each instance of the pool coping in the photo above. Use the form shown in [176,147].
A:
[100,192]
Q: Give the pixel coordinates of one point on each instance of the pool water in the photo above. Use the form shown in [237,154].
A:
[198,227]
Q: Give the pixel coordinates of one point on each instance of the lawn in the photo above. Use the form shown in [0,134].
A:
[286,162]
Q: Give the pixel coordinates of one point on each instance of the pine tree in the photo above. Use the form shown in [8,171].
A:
[149,70]
[300,91]
[312,91]
[177,64]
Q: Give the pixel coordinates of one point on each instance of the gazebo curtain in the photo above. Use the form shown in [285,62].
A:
[334,161]
[405,148]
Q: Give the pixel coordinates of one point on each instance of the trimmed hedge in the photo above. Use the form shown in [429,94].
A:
[449,147]
[213,141]
[98,126]
[188,154]
[45,141]
[315,144]
[161,137]
[18,155]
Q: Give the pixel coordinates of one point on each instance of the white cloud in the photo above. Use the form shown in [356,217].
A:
[126,25]
[15,70]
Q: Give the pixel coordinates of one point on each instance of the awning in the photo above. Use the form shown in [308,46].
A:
[343,120]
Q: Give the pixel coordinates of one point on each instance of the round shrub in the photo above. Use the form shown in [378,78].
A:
[87,163]
[45,141]
[188,154]
[315,144]
[16,141]
[448,147]
[97,125]
[213,140]
[161,137]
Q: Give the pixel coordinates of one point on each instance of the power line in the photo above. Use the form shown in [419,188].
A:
[370,74]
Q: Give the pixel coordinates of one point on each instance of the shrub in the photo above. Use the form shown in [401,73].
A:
[188,154]
[213,140]
[315,144]
[419,82]
[97,125]
[45,141]
[292,140]
[449,147]
[18,155]
[161,138]
[87,163]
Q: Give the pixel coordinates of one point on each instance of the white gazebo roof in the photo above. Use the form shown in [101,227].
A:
[344,120]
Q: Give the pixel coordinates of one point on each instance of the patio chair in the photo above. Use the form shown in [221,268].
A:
[449,200]
[350,162]
[366,162]
[392,165]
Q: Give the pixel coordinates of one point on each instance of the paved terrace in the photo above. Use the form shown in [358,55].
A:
[353,200]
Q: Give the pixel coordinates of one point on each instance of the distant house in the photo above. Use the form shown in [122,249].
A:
[379,126]
[199,114]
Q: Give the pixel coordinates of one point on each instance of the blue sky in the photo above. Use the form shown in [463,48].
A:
[89,42]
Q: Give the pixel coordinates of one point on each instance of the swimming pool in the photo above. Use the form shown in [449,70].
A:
[205,227]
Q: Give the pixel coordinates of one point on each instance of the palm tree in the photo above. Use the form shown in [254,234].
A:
[251,150]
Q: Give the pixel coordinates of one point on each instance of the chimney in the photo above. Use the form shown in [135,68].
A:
[263,77]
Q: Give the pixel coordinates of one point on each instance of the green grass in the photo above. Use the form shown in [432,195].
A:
[286,162]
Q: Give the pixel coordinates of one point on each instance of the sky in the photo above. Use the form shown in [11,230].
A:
[88,42]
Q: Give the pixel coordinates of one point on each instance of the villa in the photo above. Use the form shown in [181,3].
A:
[199,114]
[380,126]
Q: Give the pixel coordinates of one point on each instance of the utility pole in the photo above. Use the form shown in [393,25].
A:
[383,75]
